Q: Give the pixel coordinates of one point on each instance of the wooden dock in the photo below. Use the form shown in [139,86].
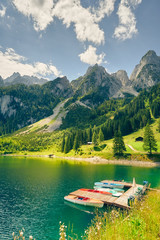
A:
[121,201]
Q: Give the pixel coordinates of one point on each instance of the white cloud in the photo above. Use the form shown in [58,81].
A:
[90,56]
[39,10]
[133,3]
[71,11]
[127,21]
[11,62]
[106,7]
[84,20]
[2,11]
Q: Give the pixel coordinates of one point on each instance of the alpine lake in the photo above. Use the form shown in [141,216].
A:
[32,194]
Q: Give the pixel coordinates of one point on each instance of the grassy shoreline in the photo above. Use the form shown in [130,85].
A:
[91,160]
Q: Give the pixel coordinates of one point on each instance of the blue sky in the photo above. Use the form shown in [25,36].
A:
[51,38]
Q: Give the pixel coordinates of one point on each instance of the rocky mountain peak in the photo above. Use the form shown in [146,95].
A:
[122,76]
[60,87]
[150,58]
[16,78]
[147,72]
[96,84]
[99,70]
[12,77]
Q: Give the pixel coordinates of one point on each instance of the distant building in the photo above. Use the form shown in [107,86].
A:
[139,139]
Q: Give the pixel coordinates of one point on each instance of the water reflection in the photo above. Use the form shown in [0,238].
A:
[89,210]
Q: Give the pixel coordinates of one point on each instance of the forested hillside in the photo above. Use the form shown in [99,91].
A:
[83,124]
[22,105]
[98,98]
[127,115]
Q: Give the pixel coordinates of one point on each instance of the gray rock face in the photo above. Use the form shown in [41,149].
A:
[16,78]
[1,82]
[126,90]
[76,83]
[97,80]
[122,76]
[12,78]
[6,107]
[147,72]
[60,87]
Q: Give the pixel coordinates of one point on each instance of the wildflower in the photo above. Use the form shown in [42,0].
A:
[30,237]
[21,234]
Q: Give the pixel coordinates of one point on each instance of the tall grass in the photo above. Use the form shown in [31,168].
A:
[143,222]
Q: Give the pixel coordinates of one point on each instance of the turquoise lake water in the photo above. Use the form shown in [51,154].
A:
[32,193]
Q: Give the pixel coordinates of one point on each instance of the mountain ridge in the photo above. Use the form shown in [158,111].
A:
[16,78]
[21,105]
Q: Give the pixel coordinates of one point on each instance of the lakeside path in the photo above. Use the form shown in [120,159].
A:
[96,160]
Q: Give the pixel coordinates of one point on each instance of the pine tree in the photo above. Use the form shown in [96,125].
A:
[89,134]
[76,143]
[63,144]
[101,136]
[149,140]
[67,146]
[71,140]
[118,144]
[94,138]
[80,136]
[84,137]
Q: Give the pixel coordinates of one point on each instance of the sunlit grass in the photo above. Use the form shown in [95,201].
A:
[143,222]
[50,144]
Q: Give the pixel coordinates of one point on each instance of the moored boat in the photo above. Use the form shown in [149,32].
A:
[84,201]
[95,191]
[112,191]
[100,188]
[109,185]
[118,190]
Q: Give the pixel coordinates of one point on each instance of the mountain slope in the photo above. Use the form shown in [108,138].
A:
[51,123]
[21,105]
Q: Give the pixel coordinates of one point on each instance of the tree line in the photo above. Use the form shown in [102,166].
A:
[75,138]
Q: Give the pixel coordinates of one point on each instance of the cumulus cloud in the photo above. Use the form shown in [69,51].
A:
[11,62]
[91,57]
[71,11]
[39,10]
[84,20]
[133,3]
[106,7]
[2,11]
[127,21]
